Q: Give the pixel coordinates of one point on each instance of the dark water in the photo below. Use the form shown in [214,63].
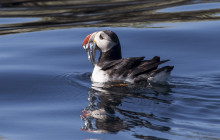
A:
[46,92]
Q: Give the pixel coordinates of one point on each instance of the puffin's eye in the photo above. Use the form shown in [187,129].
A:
[101,37]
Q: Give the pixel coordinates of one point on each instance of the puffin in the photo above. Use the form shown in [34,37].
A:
[111,67]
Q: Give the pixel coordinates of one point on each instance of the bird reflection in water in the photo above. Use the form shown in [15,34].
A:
[114,108]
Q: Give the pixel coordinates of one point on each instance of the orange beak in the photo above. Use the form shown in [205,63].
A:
[86,40]
[89,45]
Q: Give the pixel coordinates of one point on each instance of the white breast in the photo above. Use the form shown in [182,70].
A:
[99,75]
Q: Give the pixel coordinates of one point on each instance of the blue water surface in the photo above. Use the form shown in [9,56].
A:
[45,85]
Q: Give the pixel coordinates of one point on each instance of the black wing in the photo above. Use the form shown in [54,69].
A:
[125,63]
[132,67]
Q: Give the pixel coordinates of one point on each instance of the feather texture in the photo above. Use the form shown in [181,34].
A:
[134,69]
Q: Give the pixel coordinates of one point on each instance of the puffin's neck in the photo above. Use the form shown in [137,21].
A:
[112,54]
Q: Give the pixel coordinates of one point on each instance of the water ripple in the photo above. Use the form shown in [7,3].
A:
[126,108]
[65,14]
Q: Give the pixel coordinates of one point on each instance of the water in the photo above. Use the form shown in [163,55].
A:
[192,7]
[46,92]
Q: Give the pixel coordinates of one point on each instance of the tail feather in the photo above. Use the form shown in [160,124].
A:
[165,69]
[160,75]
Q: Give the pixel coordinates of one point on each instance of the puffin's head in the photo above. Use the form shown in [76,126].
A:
[102,41]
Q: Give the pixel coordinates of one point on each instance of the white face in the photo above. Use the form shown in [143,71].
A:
[103,41]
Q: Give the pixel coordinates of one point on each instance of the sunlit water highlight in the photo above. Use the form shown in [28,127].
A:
[192,7]
[16,20]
